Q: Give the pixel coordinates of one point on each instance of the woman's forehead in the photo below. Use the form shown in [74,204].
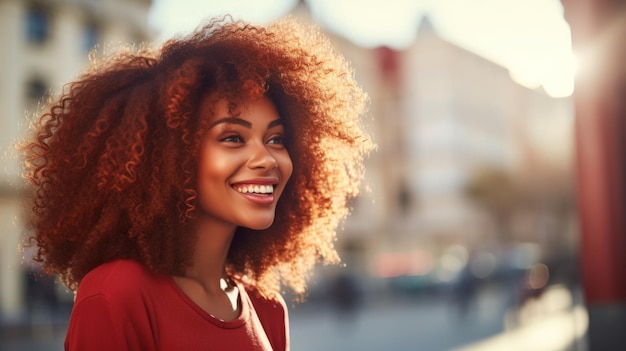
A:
[215,106]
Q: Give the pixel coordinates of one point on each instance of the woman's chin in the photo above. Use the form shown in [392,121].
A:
[259,225]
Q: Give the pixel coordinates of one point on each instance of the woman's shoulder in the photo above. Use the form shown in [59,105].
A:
[116,279]
[273,315]
[274,304]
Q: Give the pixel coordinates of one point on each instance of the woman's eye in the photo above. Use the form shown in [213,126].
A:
[276,140]
[232,139]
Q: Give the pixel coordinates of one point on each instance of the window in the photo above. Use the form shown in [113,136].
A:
[36,90]
[404,197]
[37,25]
[90,36]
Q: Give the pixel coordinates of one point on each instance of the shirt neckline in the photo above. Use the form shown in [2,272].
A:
[244,303]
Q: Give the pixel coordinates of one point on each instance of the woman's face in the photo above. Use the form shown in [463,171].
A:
[243,165]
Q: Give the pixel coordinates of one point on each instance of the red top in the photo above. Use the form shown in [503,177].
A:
[121,305]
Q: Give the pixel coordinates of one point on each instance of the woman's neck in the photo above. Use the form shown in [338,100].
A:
[205,282]
[210,254]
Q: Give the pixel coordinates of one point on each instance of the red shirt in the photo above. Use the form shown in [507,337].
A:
[121,305]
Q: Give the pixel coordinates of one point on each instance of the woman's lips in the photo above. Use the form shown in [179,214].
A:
[260,199]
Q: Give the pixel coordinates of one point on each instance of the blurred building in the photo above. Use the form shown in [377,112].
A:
[45,44]
[442,115]
[465,113]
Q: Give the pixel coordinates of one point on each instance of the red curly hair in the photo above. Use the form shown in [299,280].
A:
[113,160]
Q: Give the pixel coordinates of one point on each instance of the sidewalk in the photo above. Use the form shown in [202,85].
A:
[549,324]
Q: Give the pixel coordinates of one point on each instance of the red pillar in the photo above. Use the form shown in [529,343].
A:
[599,41]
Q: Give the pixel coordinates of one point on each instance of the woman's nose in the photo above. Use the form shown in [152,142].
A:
[262,157]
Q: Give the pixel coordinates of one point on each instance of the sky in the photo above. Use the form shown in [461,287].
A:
[529,37]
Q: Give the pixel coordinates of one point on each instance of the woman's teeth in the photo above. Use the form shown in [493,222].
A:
[259,189]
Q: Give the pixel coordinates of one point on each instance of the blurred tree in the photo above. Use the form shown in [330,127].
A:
[495,191]
[544,195]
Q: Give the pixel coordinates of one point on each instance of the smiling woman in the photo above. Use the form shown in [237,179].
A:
[176,190]
[243,164]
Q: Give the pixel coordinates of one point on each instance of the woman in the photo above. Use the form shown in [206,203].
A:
[176,190]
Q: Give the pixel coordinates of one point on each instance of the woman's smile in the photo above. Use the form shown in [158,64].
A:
[259,191]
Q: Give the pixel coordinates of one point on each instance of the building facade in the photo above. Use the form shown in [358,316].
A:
[440,115]
[45,44]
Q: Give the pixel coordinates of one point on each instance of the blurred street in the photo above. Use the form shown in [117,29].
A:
[430,323]
[425,323]
[435,324]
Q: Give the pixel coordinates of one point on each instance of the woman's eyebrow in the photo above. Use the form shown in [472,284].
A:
[274,123]
[244,123]
[232,120]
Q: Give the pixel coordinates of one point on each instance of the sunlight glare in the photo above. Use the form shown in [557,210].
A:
[530,38]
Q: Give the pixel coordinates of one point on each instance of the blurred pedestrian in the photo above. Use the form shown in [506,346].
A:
[40,292]
[465,290]
[346,295]
[176,189]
